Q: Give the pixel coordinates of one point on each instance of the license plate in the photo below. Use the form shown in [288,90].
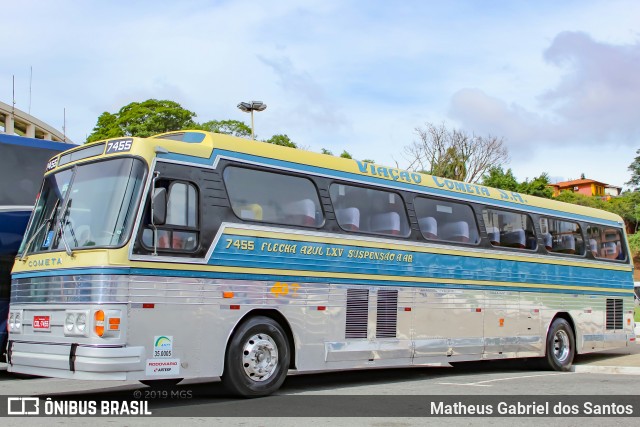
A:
[41,323]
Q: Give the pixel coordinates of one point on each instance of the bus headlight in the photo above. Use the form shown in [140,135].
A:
[70,322]
[18,321]
[81,322]
[75,323]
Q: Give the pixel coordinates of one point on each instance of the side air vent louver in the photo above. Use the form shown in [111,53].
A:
[357,313]
[387,319]
[614,314]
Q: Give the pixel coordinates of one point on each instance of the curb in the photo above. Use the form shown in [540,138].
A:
[591,369]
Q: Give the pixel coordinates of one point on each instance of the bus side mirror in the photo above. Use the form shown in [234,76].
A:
[159,206]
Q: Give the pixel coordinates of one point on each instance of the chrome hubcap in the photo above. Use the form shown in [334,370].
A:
[260,357]
[561,346]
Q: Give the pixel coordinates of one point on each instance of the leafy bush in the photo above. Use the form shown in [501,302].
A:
[634,244]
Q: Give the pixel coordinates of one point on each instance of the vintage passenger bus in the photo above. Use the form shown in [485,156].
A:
[192,254]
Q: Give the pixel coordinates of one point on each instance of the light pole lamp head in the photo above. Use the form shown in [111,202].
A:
[245,106]
[258,105]
[248,107]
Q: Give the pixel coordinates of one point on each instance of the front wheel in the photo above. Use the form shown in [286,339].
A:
[560,346]
[257,358]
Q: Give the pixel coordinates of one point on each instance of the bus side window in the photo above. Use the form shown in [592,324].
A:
[606,243]
[273,197]
[446,220]
[566,236]
[364,209]
[509,229]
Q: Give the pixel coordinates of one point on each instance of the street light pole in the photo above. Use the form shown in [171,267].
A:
[250,107]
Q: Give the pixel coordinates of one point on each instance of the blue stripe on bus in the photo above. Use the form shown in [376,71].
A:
[379,181]
[312,279]
[432,265]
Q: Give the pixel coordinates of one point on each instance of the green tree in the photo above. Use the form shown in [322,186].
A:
[634,168]
[282,140]
[580,199]
[227,127]
[107,127]
[143,119]
[498,178]
[538,186]
[627,206]
[346,155]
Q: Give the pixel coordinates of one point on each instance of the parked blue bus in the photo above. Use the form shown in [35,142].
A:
[22,163]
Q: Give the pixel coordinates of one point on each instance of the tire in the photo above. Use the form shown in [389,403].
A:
[257,358]
[560,346]
[3,351]
[162,384]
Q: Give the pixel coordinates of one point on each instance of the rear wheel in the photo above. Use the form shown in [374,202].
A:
[560,346]
[257,358]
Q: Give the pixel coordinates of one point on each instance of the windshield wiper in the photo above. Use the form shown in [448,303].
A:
[61,223]
[64,212]
[48,222]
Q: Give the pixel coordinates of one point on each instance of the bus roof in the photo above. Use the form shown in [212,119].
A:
[205,149]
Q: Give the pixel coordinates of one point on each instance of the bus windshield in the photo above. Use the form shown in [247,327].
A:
[85,206]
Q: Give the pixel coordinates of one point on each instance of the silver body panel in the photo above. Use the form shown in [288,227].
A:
[433,326]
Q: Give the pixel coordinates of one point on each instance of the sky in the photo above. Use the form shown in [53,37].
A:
[559,81]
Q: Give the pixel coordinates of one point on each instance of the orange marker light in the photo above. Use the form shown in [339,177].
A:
[114,324]
[227,294]
[98,318]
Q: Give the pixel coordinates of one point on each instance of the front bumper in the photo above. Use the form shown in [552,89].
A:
[87,362]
